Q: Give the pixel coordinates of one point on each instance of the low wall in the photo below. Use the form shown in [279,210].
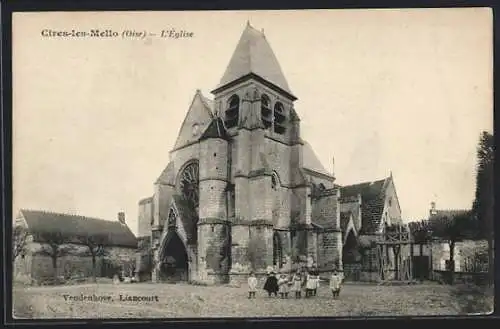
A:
[460,277]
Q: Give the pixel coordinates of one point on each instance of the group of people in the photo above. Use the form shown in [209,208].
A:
[283,284]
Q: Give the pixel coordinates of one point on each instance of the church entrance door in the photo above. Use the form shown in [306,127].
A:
[351,258]
[174,266]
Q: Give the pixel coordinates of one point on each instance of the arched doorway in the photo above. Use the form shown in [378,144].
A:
[174,258]
[351,257]
[277,251]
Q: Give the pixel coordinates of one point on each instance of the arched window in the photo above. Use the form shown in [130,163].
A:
[189,181]
[277,251]
[274,181]
[279,118]
[266,111]
[232,111]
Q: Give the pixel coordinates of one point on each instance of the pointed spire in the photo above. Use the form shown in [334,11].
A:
[253,55]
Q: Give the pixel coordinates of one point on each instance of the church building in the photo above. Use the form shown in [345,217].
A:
[242,190]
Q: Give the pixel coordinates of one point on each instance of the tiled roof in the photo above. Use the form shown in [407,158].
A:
[115,233]
[372,203]
[310,160]
[253,54]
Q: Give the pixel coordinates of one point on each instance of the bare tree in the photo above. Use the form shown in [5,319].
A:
[54,245]
[19,241]
[95,244]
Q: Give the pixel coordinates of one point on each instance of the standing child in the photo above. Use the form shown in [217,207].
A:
[252,285]
[271,285]
[283,286]
[335,283]
[315,273]
[297,284]
[310,284]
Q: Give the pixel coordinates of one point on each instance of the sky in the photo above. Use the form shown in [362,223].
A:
[381,91]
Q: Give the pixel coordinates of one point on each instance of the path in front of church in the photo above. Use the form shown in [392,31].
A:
[182,300]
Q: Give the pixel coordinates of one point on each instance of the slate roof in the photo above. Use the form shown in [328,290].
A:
[372,202]
[310,160]
[253,54]
[71,226]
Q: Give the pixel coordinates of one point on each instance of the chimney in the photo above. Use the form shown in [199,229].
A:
[121,217]
[433,208]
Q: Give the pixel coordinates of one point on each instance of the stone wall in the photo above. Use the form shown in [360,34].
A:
[212,266]
[330,244]
[76,262]
[145,217]
[463,251]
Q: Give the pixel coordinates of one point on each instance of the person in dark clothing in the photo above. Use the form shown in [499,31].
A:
[271,285]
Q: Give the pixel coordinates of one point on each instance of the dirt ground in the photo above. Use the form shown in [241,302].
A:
[182,300]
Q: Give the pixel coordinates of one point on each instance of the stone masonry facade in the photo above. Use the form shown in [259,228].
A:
[242,191]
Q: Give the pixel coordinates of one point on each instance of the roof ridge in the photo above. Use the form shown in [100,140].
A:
[49,212]
[366,182]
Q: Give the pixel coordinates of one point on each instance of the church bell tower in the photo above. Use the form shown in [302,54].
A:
[255,102]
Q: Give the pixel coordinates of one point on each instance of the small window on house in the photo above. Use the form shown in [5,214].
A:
[279,118]
[212,227]
[266,112]
[232,111]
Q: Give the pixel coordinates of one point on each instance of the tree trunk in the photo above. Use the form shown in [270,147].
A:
[94,275]
[421,250]
[54,266]
[452,262]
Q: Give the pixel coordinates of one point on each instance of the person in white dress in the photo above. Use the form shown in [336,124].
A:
[335,284]
[310,284]
[297,284]
[283,286]
[252,285]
